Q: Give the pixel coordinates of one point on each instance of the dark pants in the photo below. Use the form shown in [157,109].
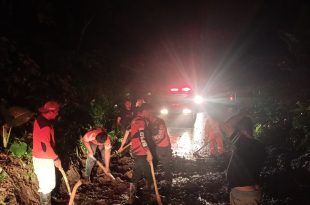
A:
[141,169]
[164,157]
[91,162]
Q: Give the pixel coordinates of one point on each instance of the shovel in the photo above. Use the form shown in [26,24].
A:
[65,179]
[103,168]
[196,152]
[158,199]
[117,153]
[76,186]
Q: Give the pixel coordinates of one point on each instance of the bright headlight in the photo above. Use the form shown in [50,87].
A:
[186,111]
[198,99]
[164,111]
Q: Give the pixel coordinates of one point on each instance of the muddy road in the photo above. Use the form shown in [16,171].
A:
[195,180]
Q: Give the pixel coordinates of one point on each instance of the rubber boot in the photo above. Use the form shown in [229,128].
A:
[132,193]
[45,199]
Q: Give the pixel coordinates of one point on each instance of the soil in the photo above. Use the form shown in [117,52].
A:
[195,181]
[18,183]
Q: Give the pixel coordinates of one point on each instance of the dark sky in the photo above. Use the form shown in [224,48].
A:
[197,42]
[201,43]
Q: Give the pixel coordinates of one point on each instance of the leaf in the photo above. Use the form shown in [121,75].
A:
[18,149]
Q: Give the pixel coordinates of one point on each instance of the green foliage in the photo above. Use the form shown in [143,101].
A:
[19,149]
[258,130]
[116,137]
[300,132]
[3,176]
[102,112]
[280,123]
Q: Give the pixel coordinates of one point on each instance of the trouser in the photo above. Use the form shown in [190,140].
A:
[90,162]
[164,155]
[141,169]
[238,197]
[216,145]
[45,172]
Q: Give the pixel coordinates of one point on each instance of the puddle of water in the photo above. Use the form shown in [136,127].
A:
[185,141]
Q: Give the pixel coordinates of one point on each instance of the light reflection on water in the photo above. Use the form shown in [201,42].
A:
[185,141]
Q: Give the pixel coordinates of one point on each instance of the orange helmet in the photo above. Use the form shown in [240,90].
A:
[49,106]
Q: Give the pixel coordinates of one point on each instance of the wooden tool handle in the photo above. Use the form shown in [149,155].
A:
[66,180]
[76,186]
[158,199]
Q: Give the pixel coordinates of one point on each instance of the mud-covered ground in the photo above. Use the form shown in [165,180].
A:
[195,181]
[200,181]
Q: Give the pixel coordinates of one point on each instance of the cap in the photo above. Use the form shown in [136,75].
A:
[49,106]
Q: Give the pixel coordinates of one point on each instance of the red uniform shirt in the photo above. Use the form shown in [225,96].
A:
[138,136]
[43,139]
[159,133]
[91,135]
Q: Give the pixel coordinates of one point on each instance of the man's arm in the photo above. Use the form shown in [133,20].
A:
[87,145]
[118,121]
[107,154]
[143,141]
[124,140]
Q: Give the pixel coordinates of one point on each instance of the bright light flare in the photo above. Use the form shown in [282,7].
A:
[198,99]
[174,89]
[186,89]
[164,111]
[186,111]
[184,145]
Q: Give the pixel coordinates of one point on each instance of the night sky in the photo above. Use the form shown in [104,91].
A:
[205,44]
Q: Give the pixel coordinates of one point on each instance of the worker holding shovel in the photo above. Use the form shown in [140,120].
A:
[43,155]
[140,150]
[162,149]
[93,139]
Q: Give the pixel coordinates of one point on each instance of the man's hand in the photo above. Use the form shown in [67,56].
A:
[57,164]
[149,157]
[120,150]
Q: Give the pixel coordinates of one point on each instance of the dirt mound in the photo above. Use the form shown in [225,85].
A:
[18,181]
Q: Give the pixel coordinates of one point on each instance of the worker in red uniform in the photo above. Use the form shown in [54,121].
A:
[140,149]
[43,155]
[213,136]
[163,152]
[123,120]
[93,139]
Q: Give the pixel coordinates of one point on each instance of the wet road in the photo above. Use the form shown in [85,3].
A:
[195,181]
[186,140]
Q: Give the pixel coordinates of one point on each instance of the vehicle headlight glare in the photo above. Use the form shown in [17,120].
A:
[198,99]
[164,111]
[186,111]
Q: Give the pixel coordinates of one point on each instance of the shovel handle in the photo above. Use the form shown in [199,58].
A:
[202,147]
[158,199]
[76,186]
[103,168]
[116,153]
[66,180]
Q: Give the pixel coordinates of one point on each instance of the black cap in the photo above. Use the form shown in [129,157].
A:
[101,137]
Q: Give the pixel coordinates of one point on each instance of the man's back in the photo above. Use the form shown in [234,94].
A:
[245,164]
